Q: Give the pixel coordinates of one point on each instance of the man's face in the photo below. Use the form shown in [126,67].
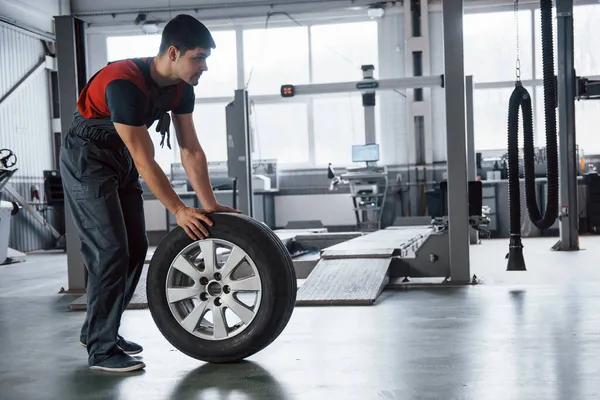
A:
[190,66]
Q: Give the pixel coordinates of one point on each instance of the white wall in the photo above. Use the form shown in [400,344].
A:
[38,14]
[96,52]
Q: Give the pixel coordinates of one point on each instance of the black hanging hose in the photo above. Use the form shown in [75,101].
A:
[520,98]
[551,131]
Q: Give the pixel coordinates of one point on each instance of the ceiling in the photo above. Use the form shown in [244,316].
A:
[107,7]
[95,7]
[119,12]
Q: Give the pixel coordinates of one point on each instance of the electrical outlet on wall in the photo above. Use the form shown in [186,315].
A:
[445,176]
[398,178]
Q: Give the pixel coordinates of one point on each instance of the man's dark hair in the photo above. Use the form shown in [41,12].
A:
[186,33]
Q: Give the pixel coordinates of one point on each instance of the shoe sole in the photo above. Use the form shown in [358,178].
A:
[125,369]
[131,353]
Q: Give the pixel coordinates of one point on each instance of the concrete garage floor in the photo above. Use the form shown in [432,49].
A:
[526,335]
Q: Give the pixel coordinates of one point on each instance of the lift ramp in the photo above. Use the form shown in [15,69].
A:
[357,281]
[355,272]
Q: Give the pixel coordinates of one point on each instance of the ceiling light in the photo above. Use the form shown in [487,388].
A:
[376,12]
[150,28]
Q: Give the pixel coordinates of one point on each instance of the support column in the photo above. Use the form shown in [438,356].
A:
[239,156]
[567,155]
[419,124]
[471,157]
[418,102]
[68,52]
[456,141]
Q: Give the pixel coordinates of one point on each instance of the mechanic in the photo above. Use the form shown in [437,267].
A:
[102,157]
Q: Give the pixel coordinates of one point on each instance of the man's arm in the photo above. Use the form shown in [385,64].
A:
[137,139]
[193,160]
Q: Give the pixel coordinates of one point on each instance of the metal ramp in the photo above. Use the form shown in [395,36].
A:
[357,281]
[384,243]
[355,272]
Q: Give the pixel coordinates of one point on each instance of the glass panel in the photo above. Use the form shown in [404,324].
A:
[586,40]
[339,50]
[274,57]
[491,45]
[491,118]
[280,131]
[221,78]
[587,120]
[122,47]
[211,127]
[339,122]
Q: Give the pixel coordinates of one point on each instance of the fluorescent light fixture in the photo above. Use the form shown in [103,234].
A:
[375,12]
[150,28]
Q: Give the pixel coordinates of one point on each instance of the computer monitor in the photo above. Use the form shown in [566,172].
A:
[365,153]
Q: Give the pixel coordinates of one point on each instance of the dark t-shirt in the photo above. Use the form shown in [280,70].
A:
[123,92]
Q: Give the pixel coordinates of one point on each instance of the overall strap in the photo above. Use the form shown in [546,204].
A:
[164,121]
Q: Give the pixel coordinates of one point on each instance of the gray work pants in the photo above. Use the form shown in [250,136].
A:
[101,186]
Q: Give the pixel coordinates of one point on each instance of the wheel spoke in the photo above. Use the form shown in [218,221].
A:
[177,294]
[208,253]
[191,321]
[219,325]
[186,267]
[235,258]
[250,284]
[241,310]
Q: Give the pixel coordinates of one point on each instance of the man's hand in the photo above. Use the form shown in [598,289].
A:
[190,219]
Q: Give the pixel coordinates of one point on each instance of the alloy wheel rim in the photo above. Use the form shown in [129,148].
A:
[213,289]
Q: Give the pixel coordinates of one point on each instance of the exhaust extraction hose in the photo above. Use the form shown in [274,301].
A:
[520,98]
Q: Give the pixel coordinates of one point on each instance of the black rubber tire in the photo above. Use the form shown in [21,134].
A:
[279,287]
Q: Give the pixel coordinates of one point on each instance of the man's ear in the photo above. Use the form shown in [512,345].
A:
[173,53]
